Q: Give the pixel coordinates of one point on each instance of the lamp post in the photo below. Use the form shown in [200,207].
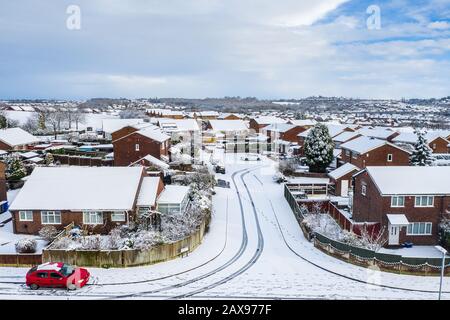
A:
[444,253]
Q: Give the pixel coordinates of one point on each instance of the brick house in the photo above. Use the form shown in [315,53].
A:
[96,198]
[364,151]
[16,139]
[409,202]
[341,178]
[132,144]
[258,123]
[438,142]
[3,188]
[282,131]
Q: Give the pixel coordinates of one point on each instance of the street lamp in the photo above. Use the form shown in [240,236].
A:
[444,252]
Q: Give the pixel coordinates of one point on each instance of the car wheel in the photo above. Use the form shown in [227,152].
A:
[71,287]
[34,286]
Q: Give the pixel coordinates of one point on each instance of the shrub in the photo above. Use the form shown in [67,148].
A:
[48,233]
[26,246]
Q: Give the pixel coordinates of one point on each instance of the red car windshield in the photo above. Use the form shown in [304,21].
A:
[67,270]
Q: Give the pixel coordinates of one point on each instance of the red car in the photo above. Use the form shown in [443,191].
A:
[57,275]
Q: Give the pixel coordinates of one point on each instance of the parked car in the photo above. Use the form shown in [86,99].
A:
[251,157]
[220,169]
[57,275]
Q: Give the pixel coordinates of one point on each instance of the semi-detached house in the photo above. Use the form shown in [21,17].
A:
[409,202]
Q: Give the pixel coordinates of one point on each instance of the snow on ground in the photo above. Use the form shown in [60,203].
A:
[289,265]
[7,237]
[415,252]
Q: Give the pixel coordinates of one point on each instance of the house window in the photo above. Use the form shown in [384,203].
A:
[390,157]
[354,156]
[92,217]
[26,215]
[118,216]
[51,217]
[363,189]
[424,201]
[137,147]
[169,208]
[347,153]
[397,201]
[434,145]
[419,228]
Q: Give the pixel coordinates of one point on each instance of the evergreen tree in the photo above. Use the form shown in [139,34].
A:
[422,154]
[15,169]
[319,148]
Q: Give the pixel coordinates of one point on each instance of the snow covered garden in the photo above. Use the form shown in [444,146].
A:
[151,228]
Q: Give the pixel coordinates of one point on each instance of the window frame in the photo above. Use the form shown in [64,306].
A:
[26,219]
[390,157]
[52,213]
[137,147]
[115,214]
[393,205]
[90,214]
[427,229]
[420,204]
[364,189]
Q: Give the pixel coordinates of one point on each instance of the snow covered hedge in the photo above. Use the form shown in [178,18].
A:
[324,224]
[26,246]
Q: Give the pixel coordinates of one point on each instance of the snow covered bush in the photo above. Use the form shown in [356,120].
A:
[422,154]
[75,233]
[48,233]
[288,167]
[26,246]
[49,159]
[319,148]
[147,240]
[63,243]
[15,170]
[91,242]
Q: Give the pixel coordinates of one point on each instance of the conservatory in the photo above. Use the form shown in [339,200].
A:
[173,200]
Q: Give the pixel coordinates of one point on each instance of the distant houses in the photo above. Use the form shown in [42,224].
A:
[15,139]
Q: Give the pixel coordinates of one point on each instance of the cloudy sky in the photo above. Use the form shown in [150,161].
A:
[214,48]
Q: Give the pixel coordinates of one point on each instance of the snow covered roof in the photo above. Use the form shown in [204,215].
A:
[380,133]
[279,127]
[29,155]
[173,194]
[345,136]
[207,113]
[228,125]
[153,134]
[79,188]
[309,180]
[269,120]
[156,162]
[112,125]
[410,180]
[342,170]
[411,137]
[363,144]
[149,191]
[302,123]
[17,137]
[178,125]
[397,219]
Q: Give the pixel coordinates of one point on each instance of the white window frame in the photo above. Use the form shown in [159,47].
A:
[426,225]
[395,201]
[114,216]
[24,215]
[421,205]
[390,157]
[91,218]
[54,214]
[364,189]
[137,147]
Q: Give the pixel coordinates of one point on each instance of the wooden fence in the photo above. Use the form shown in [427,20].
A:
[20,259]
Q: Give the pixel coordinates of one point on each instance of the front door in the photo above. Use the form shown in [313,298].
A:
[344,188]
[394,232]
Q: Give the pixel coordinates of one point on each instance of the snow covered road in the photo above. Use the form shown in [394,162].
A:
[254,249]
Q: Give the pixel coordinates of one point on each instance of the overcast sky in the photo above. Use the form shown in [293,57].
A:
[214,48]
